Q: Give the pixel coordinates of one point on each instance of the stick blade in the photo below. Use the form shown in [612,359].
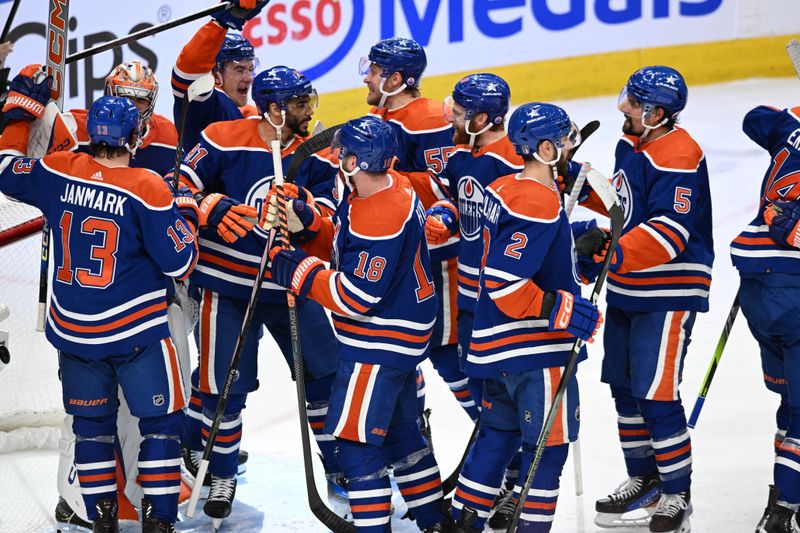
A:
[793,49]
[202,85]
[603,188]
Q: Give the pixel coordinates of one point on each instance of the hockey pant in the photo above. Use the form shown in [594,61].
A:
[644,372]
[220,314]
[373,415]
[515,407]
[771,304]
[128,436]
[153,388]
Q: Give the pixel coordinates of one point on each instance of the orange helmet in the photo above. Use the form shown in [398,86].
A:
[134,80]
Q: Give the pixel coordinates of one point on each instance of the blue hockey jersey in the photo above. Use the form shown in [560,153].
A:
[468,172]
[116,234]
[196,59]
[232,159]
[379,287]
[529,250]
[157,151]
[667,242]
[778,132]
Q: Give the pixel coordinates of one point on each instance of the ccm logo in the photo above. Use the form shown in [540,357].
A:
[565,313]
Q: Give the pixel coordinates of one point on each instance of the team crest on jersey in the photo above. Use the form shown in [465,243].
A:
[158,400]
[623,188]
[470,207]
[255,197]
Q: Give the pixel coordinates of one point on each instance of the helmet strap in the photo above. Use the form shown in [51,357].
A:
[647,129]
[348,176]
[385,95]
[473,136]
[278,127]
[552,163]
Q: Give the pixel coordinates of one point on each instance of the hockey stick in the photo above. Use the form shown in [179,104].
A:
[56,53]
[9,21]
[450,482]
[331,520]
[712,367]
[313,145]
[201,85]
[793,49]
[606,193]
[154,30]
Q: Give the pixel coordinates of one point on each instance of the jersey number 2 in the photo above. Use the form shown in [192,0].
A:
[104,252]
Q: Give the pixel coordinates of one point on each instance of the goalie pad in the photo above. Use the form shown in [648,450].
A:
[54,132]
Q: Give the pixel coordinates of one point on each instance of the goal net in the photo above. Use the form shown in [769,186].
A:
[30,393]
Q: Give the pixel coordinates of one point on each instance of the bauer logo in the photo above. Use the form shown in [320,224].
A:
[470,206]
[317,33]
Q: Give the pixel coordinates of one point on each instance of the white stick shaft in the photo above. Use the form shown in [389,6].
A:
[275,146]
[576,189]
[202,469]
[578,465]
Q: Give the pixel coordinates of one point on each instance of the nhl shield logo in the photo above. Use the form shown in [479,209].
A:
[470,207]
[158,400]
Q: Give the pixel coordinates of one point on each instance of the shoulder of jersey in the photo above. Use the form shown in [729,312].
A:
[164,130]
[675,151]
[233,134]
[80,116]
[526,198]
[501,150]
[794,112]
[384,214]
[145,184]
[421,115]
[249,110]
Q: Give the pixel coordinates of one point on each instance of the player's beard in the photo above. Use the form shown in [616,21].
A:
[460,136]
[373,95]
[561,166]
[297,126]
[629,126]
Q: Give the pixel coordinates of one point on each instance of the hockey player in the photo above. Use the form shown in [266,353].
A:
[527,314]
[765,255]
[380,292]
[231,164]
[230,57]
[393,71]
[659,279]
[117,233]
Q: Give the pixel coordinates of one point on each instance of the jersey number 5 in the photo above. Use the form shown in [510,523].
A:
[682,202]
[103,255]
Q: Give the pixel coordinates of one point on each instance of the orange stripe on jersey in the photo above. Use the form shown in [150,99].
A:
[249,110]
[634,433]
[474,499]
[321,245]
[419,114]
[178,395]
[661,280]
[755,241]
[237,133]
[674,150]
[180,85]
[502,147]
[546,506]
[223,438]
[317,425]
[210,258]
[383,213]
[527,197]
[665,389]
[641,250]
[15,137]
[666,456]
[99,477]
[205,339]
[674,237]
[380,332]
[171,476]
[452,273]
[556,436]
[321,292]
[199,55]
[525,337]
[524,302]
[162,306]
[350,429]
[421,488]
[594,203]
[370,507]
[474,283]
[347,300]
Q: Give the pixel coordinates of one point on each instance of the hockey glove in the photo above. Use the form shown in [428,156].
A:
[441,222]
[783,219]
[229,217]
[302,219]
[294,269]
[589,239]
[616,259]
[28,94]
[242,11]
[187,206]
[575,314]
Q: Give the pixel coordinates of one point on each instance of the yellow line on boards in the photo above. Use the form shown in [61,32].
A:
[594,75]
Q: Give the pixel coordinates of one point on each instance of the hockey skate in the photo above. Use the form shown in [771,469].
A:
[425,427]
[191,461]
[68,520]
[220,499]
[107,521]
[780,520]
[468,517]
[503,509]
[772,498]
[153,524]
[631,504]
[672,514]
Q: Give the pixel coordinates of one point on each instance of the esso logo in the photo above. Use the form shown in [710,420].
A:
[256,196]
[623,188]
[307,29]
[470,207]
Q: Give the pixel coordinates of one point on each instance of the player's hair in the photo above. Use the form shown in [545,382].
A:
[104,151]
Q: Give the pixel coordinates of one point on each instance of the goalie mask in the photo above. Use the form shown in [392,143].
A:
[135,81]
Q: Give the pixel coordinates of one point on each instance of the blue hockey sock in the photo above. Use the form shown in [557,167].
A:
[190,436]
[160,463]
[539,507]
[318,393]
[671,443]
[634,436]
[94,459]
[225,454]
[445,361]
[787,458]
[368,486]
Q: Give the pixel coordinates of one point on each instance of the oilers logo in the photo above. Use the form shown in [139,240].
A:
[470,207]
[256,197]
[623,188]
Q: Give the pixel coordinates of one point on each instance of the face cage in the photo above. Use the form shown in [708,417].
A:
[127,91]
